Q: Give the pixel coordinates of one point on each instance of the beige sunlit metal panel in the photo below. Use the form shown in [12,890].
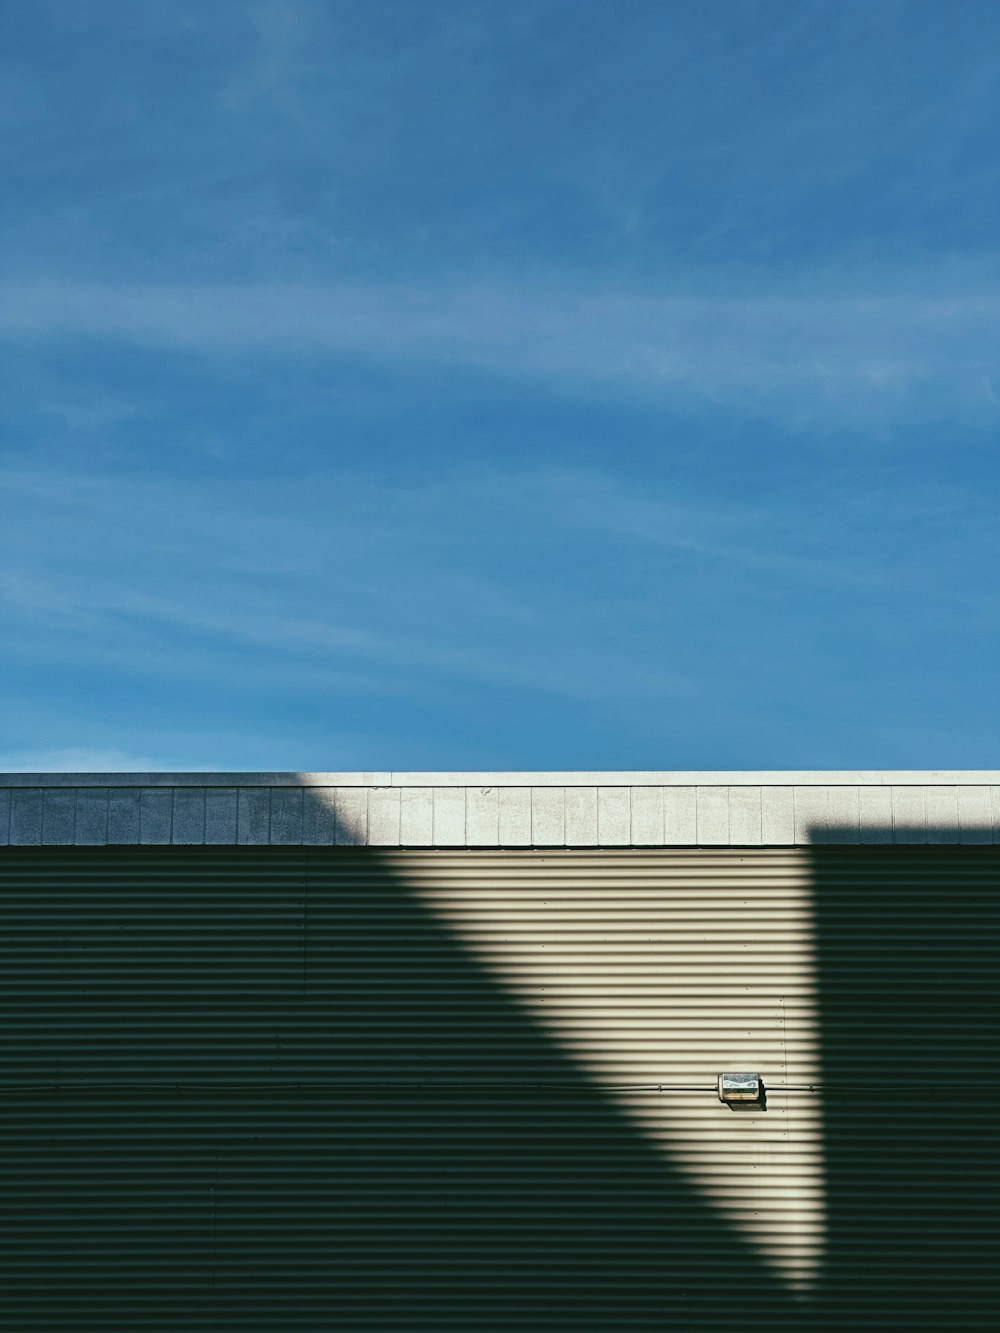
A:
[654,971]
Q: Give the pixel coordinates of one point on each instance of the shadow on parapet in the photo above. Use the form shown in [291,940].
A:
[261,1088]
[908,979]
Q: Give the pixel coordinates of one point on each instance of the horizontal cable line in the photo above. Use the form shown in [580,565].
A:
[383,1086]
[431,1086]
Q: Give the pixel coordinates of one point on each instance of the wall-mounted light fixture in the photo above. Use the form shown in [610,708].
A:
[741,1089]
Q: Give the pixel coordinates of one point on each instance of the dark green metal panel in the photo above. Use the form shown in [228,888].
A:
[909,972]
[266,1089]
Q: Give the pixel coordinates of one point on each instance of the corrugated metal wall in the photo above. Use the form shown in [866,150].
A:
[303,1088]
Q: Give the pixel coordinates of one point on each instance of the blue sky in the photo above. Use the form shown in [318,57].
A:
[467,385]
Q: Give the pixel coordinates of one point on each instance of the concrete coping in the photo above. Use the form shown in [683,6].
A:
[624,778]
[500,810]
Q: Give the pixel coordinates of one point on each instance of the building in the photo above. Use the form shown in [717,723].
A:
[440,1051]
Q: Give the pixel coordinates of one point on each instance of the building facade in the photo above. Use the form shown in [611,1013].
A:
[430,1051]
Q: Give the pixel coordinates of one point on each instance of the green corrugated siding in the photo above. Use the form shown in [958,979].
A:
[293,1089]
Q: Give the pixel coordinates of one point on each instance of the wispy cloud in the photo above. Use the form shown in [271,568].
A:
[414,589]
[749,536]
[523,592]
[800,357]
[308,647]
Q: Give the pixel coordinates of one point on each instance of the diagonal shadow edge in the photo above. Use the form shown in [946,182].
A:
[798,1281]
[204,1142]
